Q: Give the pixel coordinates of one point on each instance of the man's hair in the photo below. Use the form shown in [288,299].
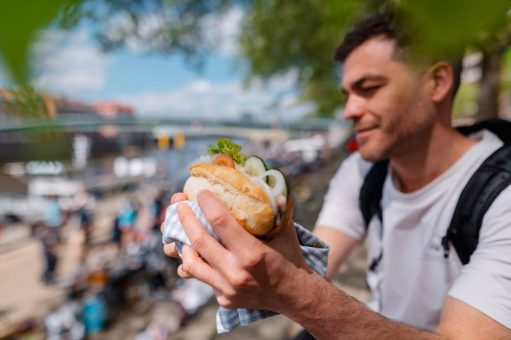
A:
[390,25]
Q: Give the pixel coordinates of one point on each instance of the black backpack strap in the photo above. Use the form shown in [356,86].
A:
[304,335]
[370,200]
[500,127]
[372,190]
[489,180]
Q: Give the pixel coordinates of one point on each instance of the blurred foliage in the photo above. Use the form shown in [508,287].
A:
[442,27]
[20,21]
[465,103]
[155,26]
[277,36]
[506,76]
[26,101]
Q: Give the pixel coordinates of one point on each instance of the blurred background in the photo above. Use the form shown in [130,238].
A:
[104,104]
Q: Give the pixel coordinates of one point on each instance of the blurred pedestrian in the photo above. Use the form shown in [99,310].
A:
[83,205]
[53,216]
[49,243]
[127,218]
[116,232]
[158,210]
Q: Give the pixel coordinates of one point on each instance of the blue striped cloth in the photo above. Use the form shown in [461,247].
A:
[314,251]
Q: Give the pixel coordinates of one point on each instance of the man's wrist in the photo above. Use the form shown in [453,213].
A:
[301,295]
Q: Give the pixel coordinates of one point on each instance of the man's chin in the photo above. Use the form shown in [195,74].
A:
[371,154]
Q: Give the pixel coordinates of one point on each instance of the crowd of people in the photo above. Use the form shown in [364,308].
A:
[114,267]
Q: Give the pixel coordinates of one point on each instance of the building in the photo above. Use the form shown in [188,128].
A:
[112,110]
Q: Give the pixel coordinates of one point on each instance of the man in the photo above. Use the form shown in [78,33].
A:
[401,111]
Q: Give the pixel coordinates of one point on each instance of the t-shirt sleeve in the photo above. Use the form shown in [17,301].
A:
[485,282]
[340,208]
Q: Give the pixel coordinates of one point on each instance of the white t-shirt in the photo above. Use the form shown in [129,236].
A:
[413,278]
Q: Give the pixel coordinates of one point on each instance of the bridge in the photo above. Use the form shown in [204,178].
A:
[56,138]
[256,130]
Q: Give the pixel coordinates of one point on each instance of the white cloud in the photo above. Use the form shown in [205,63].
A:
[148,25]
[200,86]
[220,30]
[224,31]
[68,63]
[201,98]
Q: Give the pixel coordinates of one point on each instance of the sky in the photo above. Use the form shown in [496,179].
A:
[70,64]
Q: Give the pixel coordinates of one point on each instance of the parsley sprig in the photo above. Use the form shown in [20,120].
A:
[227,146]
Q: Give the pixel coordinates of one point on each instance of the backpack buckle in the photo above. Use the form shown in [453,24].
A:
[445,245]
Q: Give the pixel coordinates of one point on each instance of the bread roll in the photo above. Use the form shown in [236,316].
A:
[248,203]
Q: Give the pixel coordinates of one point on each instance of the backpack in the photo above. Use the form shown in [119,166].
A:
[488,181]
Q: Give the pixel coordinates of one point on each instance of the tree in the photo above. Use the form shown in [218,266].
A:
[311,30]
[451,26]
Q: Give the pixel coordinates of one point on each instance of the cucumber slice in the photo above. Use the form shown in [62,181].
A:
[254,166]
[276,181]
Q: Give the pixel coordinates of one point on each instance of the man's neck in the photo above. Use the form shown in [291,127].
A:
[418,166]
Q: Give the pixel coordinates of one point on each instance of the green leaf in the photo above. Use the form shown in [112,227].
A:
[228,147]
[19,22]
[443,27]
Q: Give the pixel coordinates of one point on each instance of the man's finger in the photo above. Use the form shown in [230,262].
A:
[170,250]
[182,274]
[200,239]
[194,266]
[178,196]
[233,236]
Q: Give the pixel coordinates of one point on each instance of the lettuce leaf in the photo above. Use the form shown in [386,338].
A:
[228,147]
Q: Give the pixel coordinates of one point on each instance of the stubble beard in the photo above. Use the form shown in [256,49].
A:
[398,141]
[411,140]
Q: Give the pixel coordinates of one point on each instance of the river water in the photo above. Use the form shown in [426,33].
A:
[23,195]
[135,165]
[175,163]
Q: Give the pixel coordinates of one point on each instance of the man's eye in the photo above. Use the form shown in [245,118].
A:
[369,89]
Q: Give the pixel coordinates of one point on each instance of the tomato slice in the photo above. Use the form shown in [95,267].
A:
[225,160]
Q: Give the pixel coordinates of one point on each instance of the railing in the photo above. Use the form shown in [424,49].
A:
[88,122]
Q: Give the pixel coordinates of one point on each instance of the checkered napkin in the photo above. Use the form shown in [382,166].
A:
[314,251]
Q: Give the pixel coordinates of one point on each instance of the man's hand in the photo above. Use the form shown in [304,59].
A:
[244,271]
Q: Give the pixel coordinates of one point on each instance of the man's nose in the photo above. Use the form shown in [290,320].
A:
[354,107]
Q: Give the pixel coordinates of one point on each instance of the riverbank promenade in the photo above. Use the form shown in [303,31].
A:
[23,296]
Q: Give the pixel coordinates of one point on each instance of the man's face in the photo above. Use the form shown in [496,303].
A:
[386,100]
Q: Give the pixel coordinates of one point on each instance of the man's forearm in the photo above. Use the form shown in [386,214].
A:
[329,313]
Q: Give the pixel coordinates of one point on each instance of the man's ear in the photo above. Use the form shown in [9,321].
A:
[441,80]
